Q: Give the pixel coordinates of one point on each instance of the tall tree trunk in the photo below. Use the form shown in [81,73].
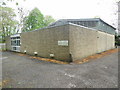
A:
[3,35]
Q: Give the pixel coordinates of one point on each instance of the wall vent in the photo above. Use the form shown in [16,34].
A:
[24,51]
[52,55]
[35,53]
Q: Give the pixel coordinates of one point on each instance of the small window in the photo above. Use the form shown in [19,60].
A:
[14,48]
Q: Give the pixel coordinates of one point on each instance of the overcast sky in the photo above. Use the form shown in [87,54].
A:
[73,9]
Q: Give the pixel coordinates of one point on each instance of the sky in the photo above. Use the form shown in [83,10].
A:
[73,9]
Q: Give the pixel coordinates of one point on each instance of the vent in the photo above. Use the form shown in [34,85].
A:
[52,55]
[24,51]
[35,53]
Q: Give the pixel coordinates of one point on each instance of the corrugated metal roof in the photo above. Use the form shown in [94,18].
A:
[64,21]
[95,23]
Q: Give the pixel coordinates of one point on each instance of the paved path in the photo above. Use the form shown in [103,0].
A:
[23,72]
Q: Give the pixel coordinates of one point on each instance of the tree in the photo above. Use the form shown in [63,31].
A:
[4,2]
[22,14]
[7,22]
[34,20]
[48,20]
[20,11]
[117,40]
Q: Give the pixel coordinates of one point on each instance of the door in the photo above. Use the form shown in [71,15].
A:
[15,43]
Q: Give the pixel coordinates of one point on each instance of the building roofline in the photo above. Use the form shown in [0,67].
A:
[64,25]
[87,19]
[107,24]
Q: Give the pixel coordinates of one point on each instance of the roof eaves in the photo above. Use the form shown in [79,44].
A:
[107,23]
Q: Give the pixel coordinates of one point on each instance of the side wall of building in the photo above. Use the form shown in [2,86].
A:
[45,42]
[8,43]
[105,41]
[84,42]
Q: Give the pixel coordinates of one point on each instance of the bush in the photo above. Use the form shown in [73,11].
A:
[117,40]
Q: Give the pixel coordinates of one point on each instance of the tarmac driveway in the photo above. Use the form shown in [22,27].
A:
[23,72]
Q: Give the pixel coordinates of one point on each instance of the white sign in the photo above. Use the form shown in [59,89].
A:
[63,43]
